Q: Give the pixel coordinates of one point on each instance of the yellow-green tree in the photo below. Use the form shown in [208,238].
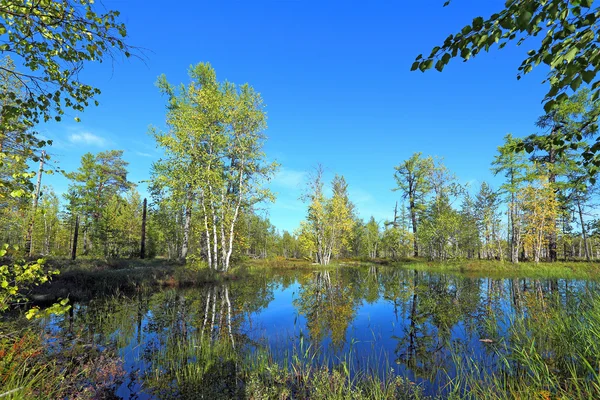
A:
[214,161]
[330,220]
[539,211]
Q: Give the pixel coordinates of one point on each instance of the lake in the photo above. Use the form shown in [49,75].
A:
[383,321]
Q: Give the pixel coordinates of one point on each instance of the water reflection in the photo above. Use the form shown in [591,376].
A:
[375,317]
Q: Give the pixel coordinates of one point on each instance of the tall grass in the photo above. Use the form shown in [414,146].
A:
[28,371]
[549,353]
[506,269]
[198,367]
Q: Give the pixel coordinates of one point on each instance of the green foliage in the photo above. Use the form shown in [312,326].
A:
[396,242]
[329,222]
[412,180]
[568,46]
[18,278]
[54,40]
[95,194]
[371,237]
[214,165]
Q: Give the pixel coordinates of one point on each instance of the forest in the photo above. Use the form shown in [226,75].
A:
[209,189]
[180,285]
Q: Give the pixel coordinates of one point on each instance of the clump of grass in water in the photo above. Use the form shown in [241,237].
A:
[198,367]
[550,353]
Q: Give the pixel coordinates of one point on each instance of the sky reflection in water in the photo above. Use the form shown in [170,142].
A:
[377,319]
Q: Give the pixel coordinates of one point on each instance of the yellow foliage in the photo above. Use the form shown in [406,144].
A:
[539,210]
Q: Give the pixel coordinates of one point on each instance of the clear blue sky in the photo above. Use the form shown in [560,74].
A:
[336,79]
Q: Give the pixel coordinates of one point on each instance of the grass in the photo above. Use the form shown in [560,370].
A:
[505,269]
[551,353]
[78,371]
[85,279]
[474,268]
[218,371]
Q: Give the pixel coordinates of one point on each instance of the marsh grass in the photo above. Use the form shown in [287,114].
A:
[549,353]
[87,279]
[204,368]
[29,371]
[505,269]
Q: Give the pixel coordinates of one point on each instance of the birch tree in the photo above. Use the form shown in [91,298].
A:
[329,221]
[214,161]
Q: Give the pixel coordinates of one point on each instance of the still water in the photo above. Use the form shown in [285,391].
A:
[381,320]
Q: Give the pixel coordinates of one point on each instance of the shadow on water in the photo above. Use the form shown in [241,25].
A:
[196,342]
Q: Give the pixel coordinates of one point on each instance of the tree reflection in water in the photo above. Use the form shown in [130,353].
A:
[178,341]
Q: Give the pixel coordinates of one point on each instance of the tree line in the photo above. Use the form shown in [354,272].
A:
[543,210]
[206,190]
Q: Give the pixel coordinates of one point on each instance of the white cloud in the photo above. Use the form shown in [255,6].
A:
[290,179]
[359,196]
[142,154]
[88,139]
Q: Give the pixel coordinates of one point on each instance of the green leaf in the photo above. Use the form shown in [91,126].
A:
[588,76]
[425,65]
[571,54]
[17,193]
[576,83]
[549,106]
[446,58]
[524,18]
[32,313]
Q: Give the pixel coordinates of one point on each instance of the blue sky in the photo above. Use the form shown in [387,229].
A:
[336,79]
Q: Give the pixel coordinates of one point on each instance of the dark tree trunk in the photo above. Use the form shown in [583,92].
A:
[583,232]
[143,245]
[413,216]
[75,235]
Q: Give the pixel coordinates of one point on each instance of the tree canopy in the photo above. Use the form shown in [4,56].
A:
[563,36]
[53,40]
